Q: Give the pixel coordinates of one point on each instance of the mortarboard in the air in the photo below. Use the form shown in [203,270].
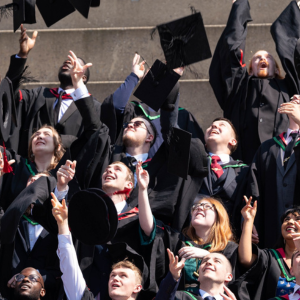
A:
[179,152]
[95,3]
[93,218]
[157,85]
[184,41]
[121,251]
[53,11]
[83,6]
[7,108]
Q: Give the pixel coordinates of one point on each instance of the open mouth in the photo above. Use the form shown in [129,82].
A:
[263,65]
[109,177]
[25,286]
[291,229]
[209,269]
[201,213]
[114,286]
[39,143]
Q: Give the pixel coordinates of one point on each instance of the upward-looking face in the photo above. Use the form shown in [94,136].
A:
[288,226]
[263,65]
[220,133]
[203,214]
[122,284]
[214,267]
[64,72]
[30,288]
[137,134]
[43,142]
[115,178]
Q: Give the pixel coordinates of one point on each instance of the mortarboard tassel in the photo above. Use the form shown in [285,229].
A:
[7,167]
[6,10]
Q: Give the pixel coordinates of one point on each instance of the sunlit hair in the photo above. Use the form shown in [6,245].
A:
[58,147]
[129,265]
[278,76]
[220,233]
[130,176]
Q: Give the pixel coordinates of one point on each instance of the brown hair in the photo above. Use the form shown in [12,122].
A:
[129,265]
[130,176]
[234,147]
[278,76]
[58,151]
[220,232]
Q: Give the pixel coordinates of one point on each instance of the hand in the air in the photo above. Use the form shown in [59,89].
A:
[229,294]
[175,266]
[77,71]
[142,176]
[10,162]
[296,236]
[292,109]
[59,210]
[192,252]
[12,282]
[249,211]
[138,68]
[65,174]
[26,43]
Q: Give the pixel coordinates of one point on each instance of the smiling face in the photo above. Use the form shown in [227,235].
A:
[123,284]
[263,65]
[220,135]
[134,136]
[26,289]
[288,226]
[115,178]
[42,141]
[215,267]
[201,217]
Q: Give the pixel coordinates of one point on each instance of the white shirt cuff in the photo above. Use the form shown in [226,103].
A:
[81,92]
[61,194]
[17,56]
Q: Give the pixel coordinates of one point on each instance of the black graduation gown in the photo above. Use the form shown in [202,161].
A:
[35,108]
[251,103]
[230,188]
[263,187]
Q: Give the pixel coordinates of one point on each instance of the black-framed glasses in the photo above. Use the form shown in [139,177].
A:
[136,124]
[32,278]
[204,206]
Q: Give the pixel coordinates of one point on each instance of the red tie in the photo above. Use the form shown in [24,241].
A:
[216,168]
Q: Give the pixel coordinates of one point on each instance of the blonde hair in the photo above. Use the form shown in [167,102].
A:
[129,265]
[220,232]
[58,147]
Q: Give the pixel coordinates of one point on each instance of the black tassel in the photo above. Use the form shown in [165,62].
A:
[153,31]
[7,10]
[25,78]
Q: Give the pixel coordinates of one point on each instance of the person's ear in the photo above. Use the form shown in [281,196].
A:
[228,278]
[137,288]
[232,142]
[150,138]
[129,185]
[42,292]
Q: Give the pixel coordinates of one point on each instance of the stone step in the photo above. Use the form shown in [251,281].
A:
[197,97]
[139,13]
[111,51]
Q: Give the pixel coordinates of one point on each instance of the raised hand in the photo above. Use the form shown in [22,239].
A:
[77,70]
[192,252]
[60,213]
[65,174]
[10,162]
[12,282]
[138,68]
[229,294]
[292,109]
[142,176]
[249,211]
[179,70]
[26,43]
[175,266]
[296,236]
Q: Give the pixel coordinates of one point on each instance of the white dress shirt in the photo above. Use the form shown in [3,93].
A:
[225,158]
[288,138]
[203,294]
[294,295]
[34,232]
[121,207]
[139,157]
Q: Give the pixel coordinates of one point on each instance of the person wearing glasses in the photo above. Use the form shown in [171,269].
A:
[28,284]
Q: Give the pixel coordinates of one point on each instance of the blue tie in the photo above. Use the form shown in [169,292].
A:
[209,298]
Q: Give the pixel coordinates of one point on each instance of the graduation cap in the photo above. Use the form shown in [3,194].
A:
[184,41]
[83,6]
[121,251]
[179,152]
[93,218]
[7,108]
[157,85]
[53,11]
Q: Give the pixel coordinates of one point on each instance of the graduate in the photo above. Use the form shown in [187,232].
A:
[273,268]
[226,177]
[42,105]
[215,272]
[250,99]
[272,177]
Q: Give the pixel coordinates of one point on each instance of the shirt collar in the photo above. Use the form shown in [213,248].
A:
[121,206]
[139,157]
[225,158]
[203,294]
[69,91]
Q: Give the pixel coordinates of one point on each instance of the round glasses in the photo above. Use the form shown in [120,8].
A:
[32,278]
[136,124]
[204,206]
